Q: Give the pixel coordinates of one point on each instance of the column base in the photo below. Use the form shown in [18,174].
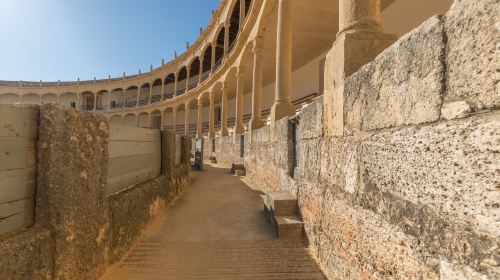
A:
[239,129]
[256,124]
[349,53]
[281,110]
[224,132]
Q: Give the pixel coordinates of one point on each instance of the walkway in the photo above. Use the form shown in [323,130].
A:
[216,230]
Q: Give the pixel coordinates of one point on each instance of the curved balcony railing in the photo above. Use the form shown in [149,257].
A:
[155,98]
[205,75]
[131,103]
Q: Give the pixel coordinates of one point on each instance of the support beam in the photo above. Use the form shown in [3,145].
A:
[256,121]
[138,96]
[283,106]
[188,75]
[95,102]
[186,120]
[199,123]
[150,92]
[162,90]
[227,26]
[238,127]
[242,13]
[214,48]
[176,75]
[174,120]
[109,100]
[201,70]
[211,125]
[224,131]
[359,41]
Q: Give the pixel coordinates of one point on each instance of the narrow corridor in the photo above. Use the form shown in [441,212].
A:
[216,230]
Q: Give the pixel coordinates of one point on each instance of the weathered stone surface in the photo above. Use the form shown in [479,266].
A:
[452,167]
[403,85]
[456,110]
[71,189]
[132,210]
[473,61]
[27,254]
[372,248]
[312,119]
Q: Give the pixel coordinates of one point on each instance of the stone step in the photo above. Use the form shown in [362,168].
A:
[281,203]
[289,227]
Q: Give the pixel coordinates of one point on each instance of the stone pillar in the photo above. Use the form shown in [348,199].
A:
[201,70]
[223,130]
[162,120]
[174,120]
[359,41]
[188,75]
[211,124]
[58,99]
[176,74]
[71,196]
[212,62]
[41,99]
[227,26]
[109,100]
[136,120]
[123,103]
[242,12]
[256,121]
[150,119]
[138,96]
[238,125]
[150,92]
[283,106]
[186,119]
[22,99]
[95,102]
[162,90]
[199,123]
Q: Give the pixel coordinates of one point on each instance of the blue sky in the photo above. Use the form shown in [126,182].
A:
[66,39]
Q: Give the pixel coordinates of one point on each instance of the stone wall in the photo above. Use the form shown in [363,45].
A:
[78,229]
[411,191]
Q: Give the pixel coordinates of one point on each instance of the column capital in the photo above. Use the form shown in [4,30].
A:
[258,44]
[359,16]
[227,25]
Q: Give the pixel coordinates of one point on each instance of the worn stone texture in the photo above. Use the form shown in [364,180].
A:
[403,85]
[71,189]
[312,118]
[27,254]
[132,210]
[452,167]
[472,29]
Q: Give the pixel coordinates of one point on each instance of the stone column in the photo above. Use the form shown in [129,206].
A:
[162,120]
[22,99]
[212,62]
[124,93]
[242,12]
[176,75]
[150,92]
[283,106]
[138,96]
[162,90]
[256,121]
[95,101]
[186,119]
[109,99]
[223,130]
[136,120]
[359,41]
[174,120]
[58,99]
[201,70]
[199,124]
[188,75]
[150,119]
[238,125]
[227,26]
[211,113]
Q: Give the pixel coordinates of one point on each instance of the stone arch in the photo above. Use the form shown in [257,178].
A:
[69,99]
[144,94]
[116,96]
[157,92]
[143,120]
[10,98]
[156,119]
[50,98]
[131,96]
[130,120]
[102,99]
[116,119]
[181,80]
[169,84]
[31,98]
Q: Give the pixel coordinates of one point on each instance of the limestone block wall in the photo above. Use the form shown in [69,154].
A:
[411,189]
[79,230]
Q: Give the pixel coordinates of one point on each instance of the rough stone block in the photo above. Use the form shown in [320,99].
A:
[452,167]
[473,30]
[403,85]
[27,254]
[71,189]
[371,247]
[311,120]
[455,110]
